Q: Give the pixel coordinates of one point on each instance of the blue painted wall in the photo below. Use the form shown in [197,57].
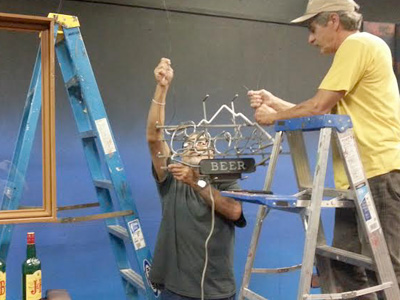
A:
[210,55]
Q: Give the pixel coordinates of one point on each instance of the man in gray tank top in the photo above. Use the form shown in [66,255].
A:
[186,214]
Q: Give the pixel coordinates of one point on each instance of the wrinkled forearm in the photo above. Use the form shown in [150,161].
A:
[280,105]
[154,135]
[228,207]
[304,109]
[156,114]
[321,103]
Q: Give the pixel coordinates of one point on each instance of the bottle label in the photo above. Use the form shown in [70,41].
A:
[34,286]
[2,285]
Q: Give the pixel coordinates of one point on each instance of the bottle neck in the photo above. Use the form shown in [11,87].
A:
[30,251]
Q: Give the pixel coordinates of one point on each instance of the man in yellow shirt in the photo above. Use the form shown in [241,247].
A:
[360,83]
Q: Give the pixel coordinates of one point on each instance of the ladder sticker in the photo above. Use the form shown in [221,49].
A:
[3,285]
[367,209]
[351,156]
[136,234]
[146,269]
[105,136]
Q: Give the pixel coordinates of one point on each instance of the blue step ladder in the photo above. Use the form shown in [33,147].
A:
[101,153]
[308,203]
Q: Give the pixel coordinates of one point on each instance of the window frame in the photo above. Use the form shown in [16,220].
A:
[45,28]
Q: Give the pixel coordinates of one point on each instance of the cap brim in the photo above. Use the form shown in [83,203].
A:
[303,18]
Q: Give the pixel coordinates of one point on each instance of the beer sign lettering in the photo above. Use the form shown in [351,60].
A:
[227,166]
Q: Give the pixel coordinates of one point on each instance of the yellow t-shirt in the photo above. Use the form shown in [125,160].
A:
[363,68]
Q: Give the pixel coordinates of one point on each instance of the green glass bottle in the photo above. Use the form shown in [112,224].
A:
[31,272]
[2,280]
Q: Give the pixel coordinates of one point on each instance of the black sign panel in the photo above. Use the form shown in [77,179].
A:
[227,166]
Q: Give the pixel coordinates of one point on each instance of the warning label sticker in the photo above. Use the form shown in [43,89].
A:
[367,208]
[105,136]
[351,156]
[136,234]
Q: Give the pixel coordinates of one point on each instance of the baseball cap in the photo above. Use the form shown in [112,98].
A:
[314,7]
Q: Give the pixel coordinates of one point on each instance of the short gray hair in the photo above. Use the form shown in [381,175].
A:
[350,20]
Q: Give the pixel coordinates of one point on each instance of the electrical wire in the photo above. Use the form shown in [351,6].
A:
[169,51]
[207,240]
[60,5]
[168,27]
[173,92]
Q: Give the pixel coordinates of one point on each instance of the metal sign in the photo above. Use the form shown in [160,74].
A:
[227,166]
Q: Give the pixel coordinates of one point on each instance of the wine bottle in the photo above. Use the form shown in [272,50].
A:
[31,272]
[2,280]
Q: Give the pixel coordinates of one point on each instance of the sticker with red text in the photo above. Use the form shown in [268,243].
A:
[34,286]
[2,285]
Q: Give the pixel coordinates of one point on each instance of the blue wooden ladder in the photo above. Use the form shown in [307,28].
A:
[101,153]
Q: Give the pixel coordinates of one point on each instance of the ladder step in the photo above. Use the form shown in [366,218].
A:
[133,278]
[31,93]
[284,201]
[105,184]
[72,82]
[118,231]
[349,295]
[115,214]
[248,294]
[340,122]
[88,134]
[73,85]
[345,256]
[275,270]
[343,194]
[78,206]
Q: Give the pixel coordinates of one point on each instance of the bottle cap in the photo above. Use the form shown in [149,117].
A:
[31,237]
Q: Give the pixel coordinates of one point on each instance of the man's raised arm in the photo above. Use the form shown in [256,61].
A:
[163,74]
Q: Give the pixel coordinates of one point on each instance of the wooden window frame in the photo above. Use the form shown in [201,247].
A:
[44,27]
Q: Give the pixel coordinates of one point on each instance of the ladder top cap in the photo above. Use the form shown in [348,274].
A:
[66,21]
[339,122]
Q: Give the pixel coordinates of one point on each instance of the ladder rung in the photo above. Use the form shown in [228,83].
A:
[73,81]
[133,278]
[63,208]
[105,184]
[31,92]
[116,214]
[118,231]
[275,270]
[88,134]
[251,295]
[8,192]
[345,194]
[332,203]
[345,256]
[78,206]
[340,122]
[349,295]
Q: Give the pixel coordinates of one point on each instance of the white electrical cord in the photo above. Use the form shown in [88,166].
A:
[207,240]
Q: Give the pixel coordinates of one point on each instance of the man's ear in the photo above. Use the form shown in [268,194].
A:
[335,19]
